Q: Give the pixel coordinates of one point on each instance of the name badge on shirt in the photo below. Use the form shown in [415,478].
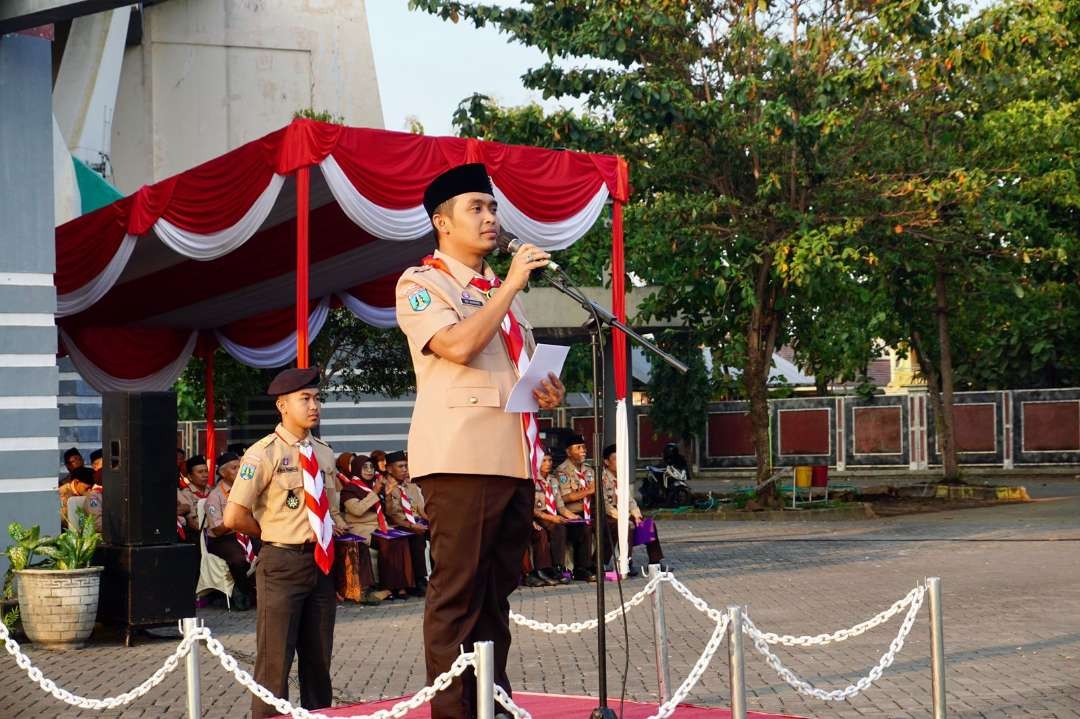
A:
[468,299]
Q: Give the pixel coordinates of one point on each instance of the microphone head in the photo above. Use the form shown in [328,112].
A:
[507,242]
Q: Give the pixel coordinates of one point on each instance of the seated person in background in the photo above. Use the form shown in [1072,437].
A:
[181,468]
[72,461]
[196,487]
[405,510]
[656,555]
[361,509]
[577,484]
[364,513]
[79,484]
[237,549]
[96,460]
[549,530]
[379,458]
[94,501]
[182,509]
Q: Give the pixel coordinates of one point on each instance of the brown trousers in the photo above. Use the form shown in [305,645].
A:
[479,529]
[296,614]
[548,545]
[395,566]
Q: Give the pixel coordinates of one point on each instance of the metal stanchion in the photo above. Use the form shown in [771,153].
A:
[663,666]
[485,680]
[937,648]
[190,625]
[735,663]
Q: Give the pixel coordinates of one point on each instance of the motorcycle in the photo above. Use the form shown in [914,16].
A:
[669,485]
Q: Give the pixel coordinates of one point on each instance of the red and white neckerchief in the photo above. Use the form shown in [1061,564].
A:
[187,484]
[318,508]
[181,530]
[406,507]
[362,485]
[514,339]
[549,497]
[586,501]
[242,539]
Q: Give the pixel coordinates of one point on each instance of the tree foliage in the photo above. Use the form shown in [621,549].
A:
[823,173]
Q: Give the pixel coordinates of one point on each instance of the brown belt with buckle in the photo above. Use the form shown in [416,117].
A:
[303,547]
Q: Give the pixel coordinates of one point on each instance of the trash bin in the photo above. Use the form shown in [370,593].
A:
[820,476]
[803,476]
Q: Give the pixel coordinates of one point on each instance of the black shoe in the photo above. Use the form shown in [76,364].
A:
[584,575]
[548,575]
[239,601]
[419,590]
[531,580]
[559,575]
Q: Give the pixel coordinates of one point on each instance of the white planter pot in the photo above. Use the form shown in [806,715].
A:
[58,606]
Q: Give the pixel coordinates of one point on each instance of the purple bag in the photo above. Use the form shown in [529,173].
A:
[644,532]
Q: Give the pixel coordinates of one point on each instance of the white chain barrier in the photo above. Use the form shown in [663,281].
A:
[761,643]
[588,624]
[49,686]
[468,660]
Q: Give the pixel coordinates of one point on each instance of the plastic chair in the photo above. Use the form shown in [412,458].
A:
[213,570]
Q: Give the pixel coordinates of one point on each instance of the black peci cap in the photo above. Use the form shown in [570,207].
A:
[472,177]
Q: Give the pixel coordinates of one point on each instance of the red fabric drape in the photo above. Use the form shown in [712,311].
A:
[85,245]
[129,352]
[211,435]
[377,293]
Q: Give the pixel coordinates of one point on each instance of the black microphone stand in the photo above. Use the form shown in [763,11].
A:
[600,316]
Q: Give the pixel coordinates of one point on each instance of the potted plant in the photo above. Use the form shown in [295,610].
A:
[58,597]
[20,555]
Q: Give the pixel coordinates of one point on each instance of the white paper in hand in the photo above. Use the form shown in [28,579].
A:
[546,358]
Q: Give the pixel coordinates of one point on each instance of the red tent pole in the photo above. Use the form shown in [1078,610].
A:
[303,183]
[618,297]
[211,435]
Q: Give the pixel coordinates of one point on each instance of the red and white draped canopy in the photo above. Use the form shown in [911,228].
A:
[251,250]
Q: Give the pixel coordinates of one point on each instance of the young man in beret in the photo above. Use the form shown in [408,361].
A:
[287,495]
[473,460]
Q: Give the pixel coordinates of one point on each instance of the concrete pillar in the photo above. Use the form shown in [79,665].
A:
[28,373]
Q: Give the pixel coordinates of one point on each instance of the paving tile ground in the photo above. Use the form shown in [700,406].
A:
[1011,578]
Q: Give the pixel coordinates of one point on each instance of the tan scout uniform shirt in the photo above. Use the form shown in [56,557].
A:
[215,508]
[188,497]
[268,472]
[611,499]
[395,515]
[458,423]
[94,507]
[569,481]
[540,503]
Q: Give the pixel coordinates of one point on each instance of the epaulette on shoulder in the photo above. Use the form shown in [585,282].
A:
[321,441]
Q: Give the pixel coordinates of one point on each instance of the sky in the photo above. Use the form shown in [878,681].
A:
[426,66]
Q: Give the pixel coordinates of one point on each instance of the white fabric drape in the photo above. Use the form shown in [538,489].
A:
[625,477]
[100,380]
[384,317]
[281,352]
[217,244]
[78,300]
[413,223]
[550,235]
[386,224]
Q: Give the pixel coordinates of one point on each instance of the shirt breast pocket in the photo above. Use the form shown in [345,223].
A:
[472,397]
[288,480]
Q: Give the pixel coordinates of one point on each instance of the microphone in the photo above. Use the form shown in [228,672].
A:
[510,244]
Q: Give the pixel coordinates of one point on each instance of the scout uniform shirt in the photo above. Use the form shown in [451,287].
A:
[271,485]
[611,498]
[190,496]
[458,419]
[540,502]
[395,515]
[214,509]
[571,479]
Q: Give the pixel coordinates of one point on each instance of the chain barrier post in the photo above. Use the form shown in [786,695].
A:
[937,648]
[736,668]
[485,680]
[660,641]
[189,626]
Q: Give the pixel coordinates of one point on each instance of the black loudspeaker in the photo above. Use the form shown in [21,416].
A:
[147,586]
[138,432]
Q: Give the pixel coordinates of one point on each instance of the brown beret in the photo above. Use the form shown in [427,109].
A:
[472,177]
[293,380]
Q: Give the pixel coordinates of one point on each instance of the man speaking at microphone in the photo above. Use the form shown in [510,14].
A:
[474,461]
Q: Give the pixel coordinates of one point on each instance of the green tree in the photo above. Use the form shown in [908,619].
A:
[742,123]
